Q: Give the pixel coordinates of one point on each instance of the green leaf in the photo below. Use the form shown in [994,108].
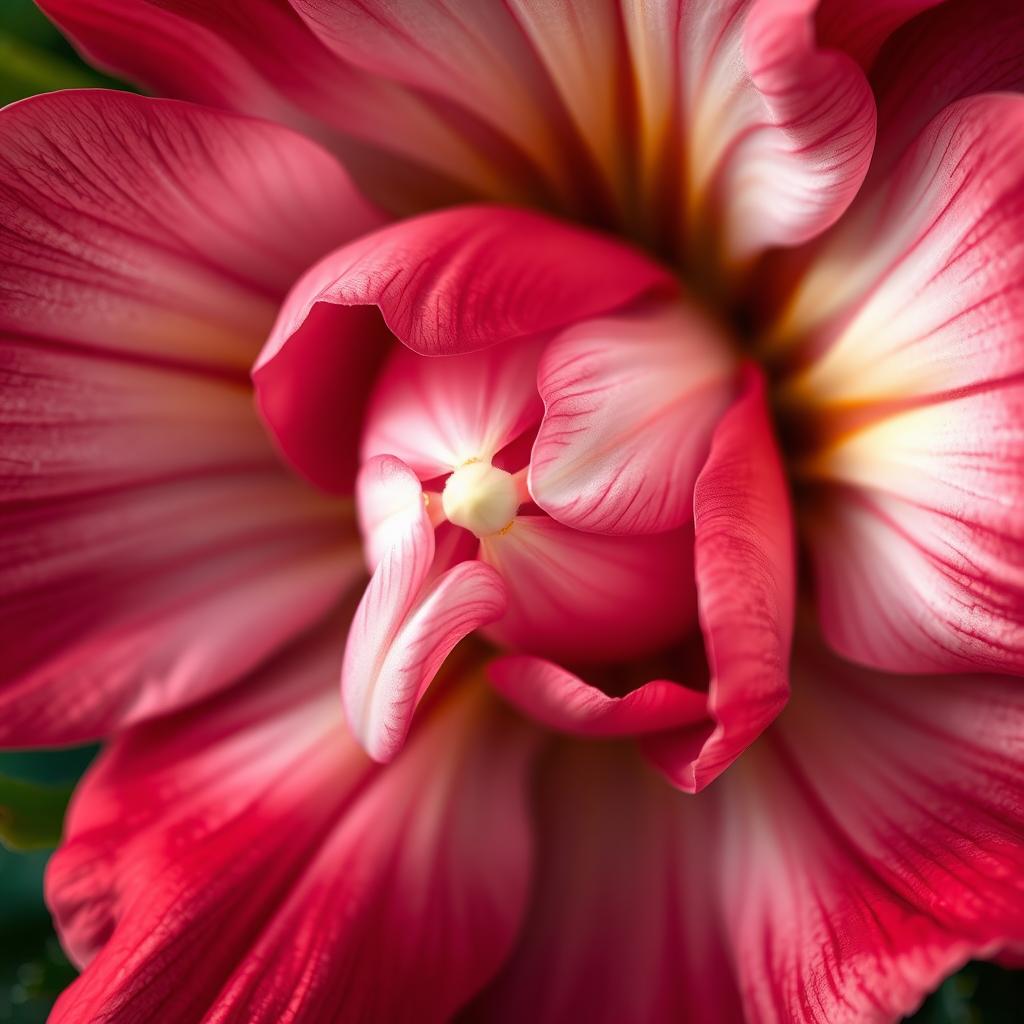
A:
[31,814]
[26,69]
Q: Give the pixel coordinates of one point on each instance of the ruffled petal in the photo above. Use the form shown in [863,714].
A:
[558,699]
[623,923]
[912,390]
[159,228]
[746,589]
[794,142]
[630,404]
[405,625]
[583,597]
[213,857]
[872,842]
[436,414]
[446,283]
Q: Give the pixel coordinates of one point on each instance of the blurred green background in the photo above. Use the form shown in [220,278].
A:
[34,786]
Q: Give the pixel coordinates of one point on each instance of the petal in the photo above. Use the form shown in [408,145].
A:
[583,597]
[913,384]
[799,135]
[436,414]
[919,291]
[212,858]
[873,844]
[446,283]
[123,604]
[860,29]
[257,57]
[160,228]
[630,404]
[622,924]
[563,701]
[746,588]
[934,496]
[405,626]
[143,502]
[952,52]
[475,56]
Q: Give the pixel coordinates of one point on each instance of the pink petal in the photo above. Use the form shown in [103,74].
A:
[920,557]
[800,133]
[124,604]
[158,228]
[583,597]
[861,28]
[872,845]
[445,283]
[630,405]
[623,924]
[436,414]
[476,57]
[746,587]
[404,628]
[257,57]
[916,536]
[212,858]
[563,701]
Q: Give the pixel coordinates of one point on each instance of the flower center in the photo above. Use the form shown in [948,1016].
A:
[480,498]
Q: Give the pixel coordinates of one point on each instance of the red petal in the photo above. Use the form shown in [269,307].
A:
[746,587]
[213,858]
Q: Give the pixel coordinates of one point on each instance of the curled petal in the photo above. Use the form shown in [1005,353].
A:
[445,283]
[802,133]
[746,587]
[563,701]
[405,625]
[630,404]
[583,597]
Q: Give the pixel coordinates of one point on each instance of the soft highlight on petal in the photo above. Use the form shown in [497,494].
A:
[630,404]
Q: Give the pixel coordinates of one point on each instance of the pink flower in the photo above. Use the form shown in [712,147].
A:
[669,386]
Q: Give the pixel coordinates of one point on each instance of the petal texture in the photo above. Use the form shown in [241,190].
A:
[872,843]
[157,227]
[213,858]
[630,404]
[153,548]
[910,381]
[746,588]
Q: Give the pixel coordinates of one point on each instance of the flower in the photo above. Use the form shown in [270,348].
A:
[668,383]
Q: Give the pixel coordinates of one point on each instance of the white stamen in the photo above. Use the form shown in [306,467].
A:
[480,498]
